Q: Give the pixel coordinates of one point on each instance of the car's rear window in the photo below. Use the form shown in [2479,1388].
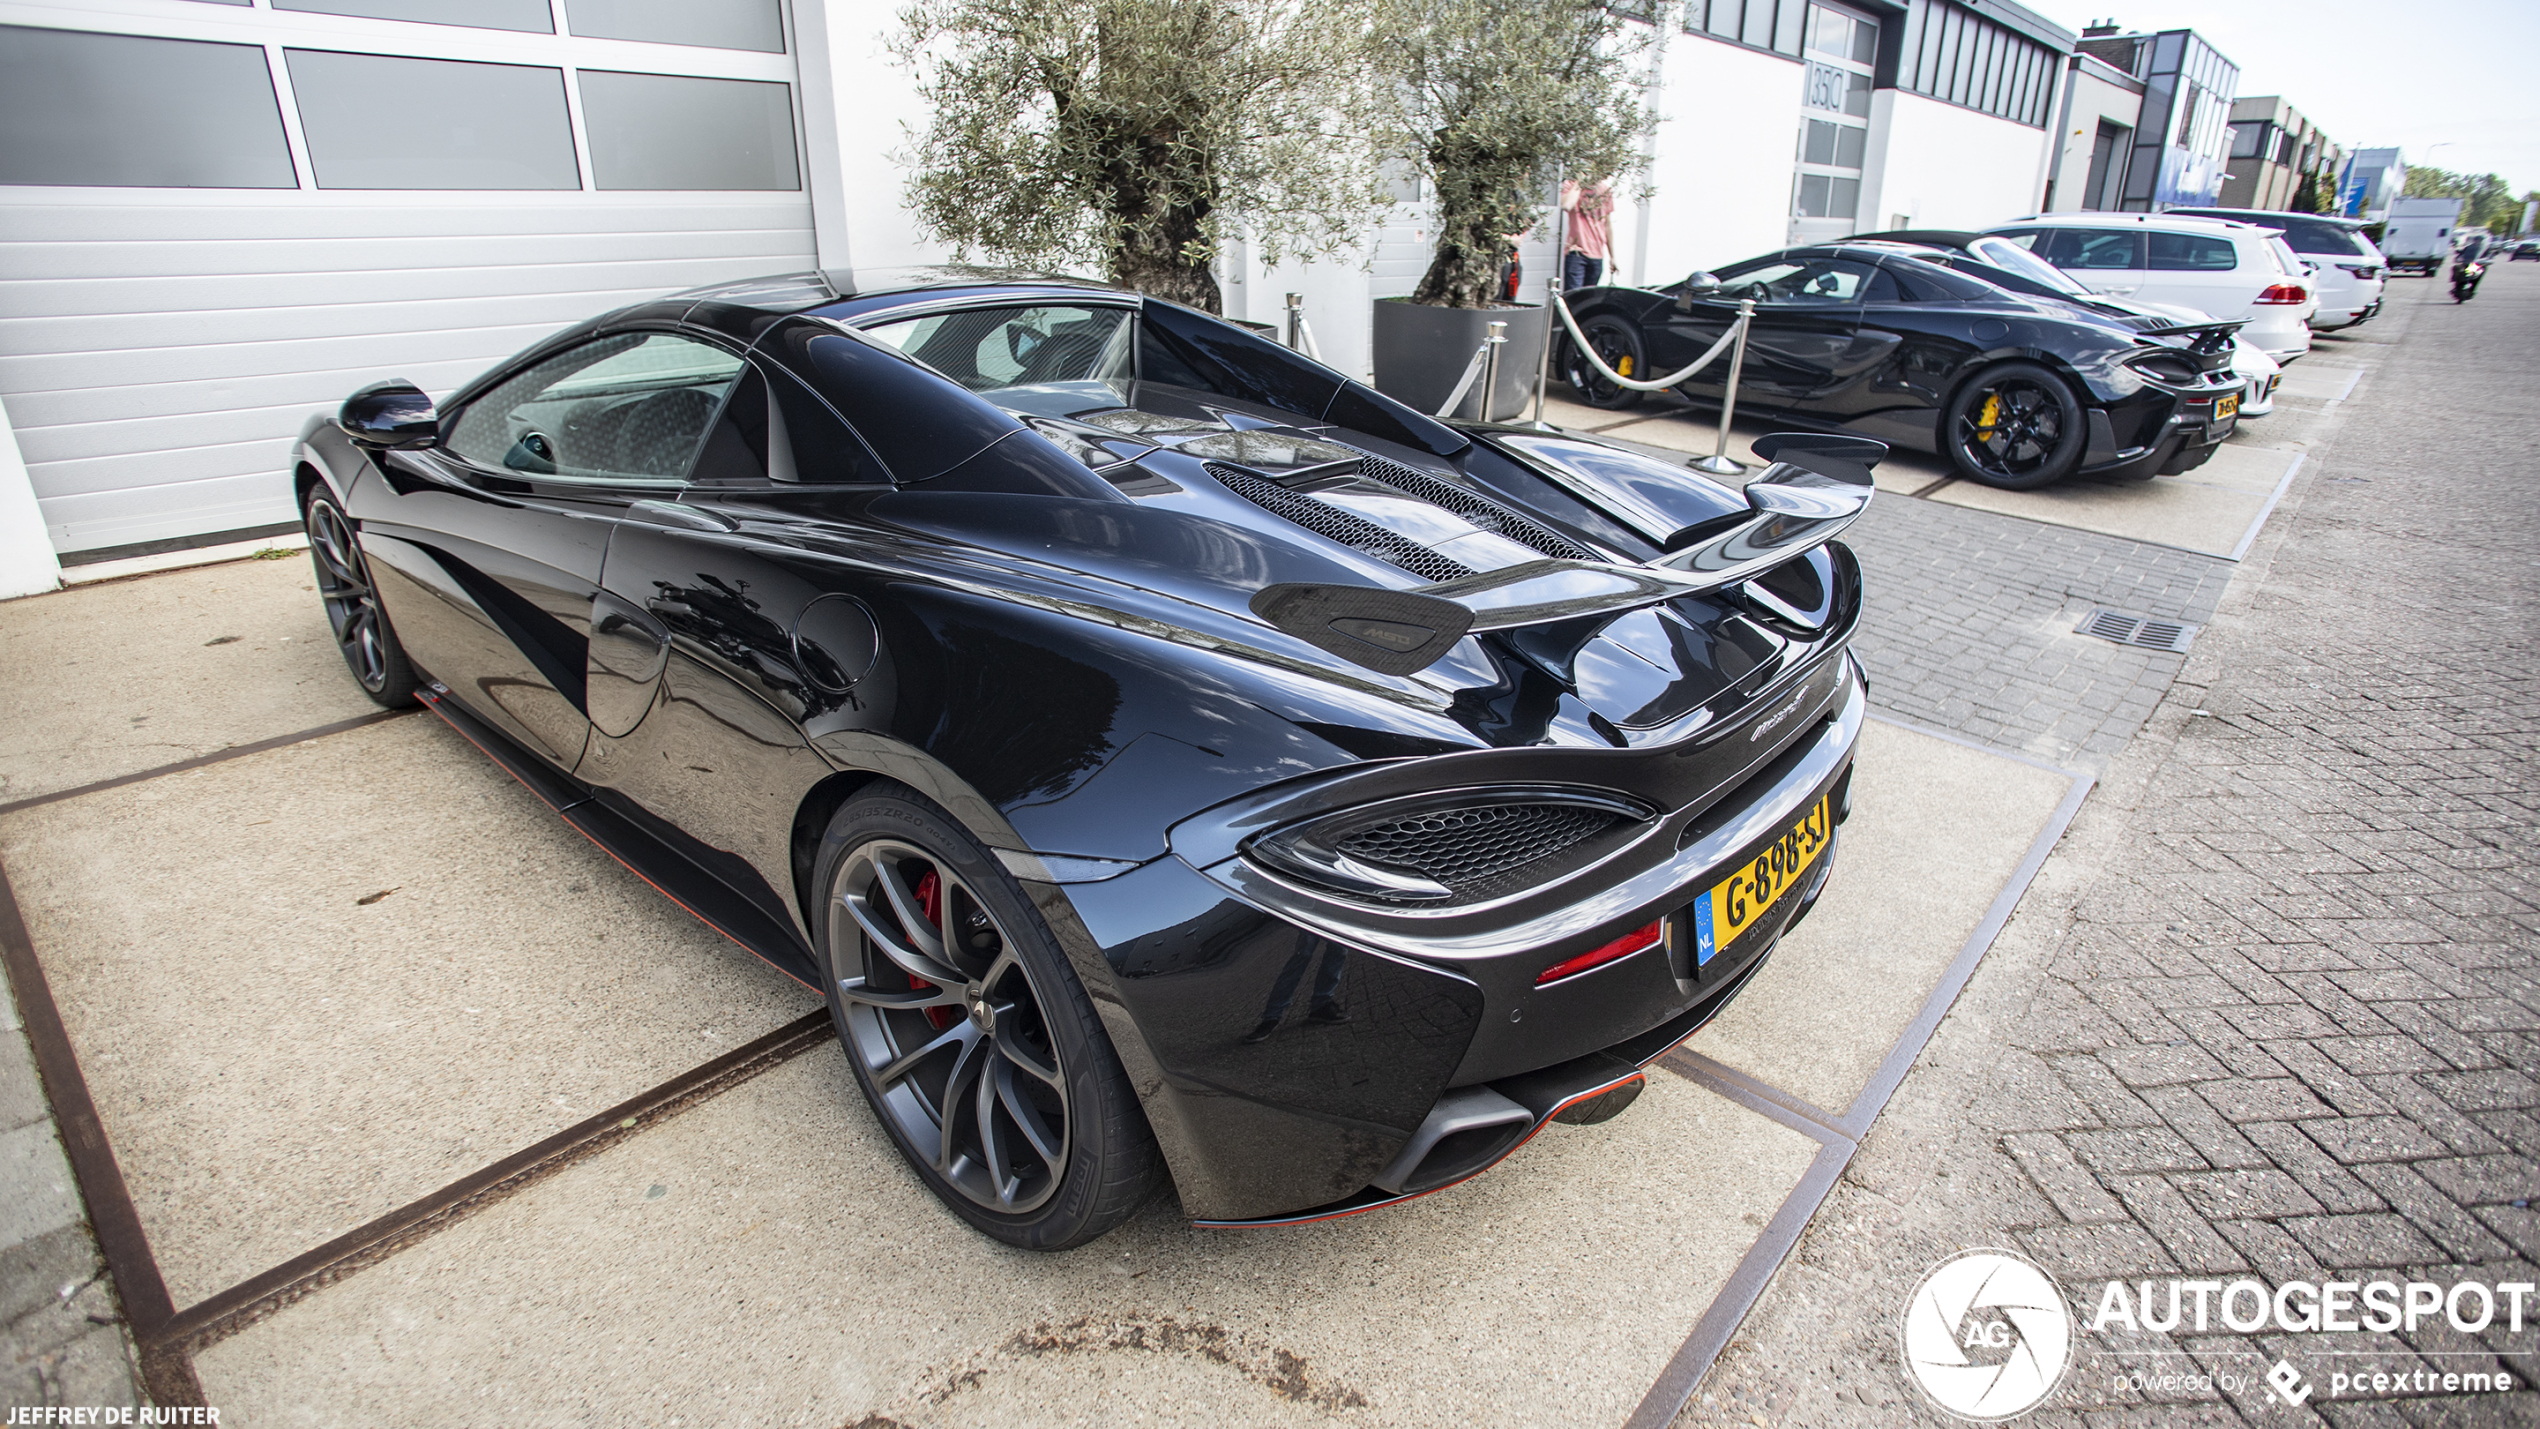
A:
[2193,253]
[984,349]
[2309,235]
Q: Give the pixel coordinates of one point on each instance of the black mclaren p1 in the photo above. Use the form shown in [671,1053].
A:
[2016,391]
[1166,756]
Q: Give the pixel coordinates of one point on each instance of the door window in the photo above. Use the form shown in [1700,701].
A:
[2192,253]
[1813,282]
[984,349]
[2092,248]
[633,407]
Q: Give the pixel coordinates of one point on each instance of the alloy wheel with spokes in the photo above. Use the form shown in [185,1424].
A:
[970,1033]
[944,1017]
[1619,348]
[2017,426]
[361,629]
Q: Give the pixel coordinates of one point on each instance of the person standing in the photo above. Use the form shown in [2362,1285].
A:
[1590,213]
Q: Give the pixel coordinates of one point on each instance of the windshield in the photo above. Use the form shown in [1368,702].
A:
[2003,253]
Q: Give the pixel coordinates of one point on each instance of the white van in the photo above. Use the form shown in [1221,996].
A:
[2219,268]
[2418,236]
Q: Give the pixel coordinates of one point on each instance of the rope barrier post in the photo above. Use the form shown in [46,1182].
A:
[1543,369]
[1718,463]
[1490,367]
[1296,316]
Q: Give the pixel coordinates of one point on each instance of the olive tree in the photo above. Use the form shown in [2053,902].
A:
[1136,135]
[1489,99]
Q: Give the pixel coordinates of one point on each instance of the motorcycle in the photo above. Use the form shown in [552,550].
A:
[2465,275]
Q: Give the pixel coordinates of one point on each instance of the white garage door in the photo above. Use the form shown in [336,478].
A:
[217,216]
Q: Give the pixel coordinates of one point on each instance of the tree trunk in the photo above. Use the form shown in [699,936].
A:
[1466,269]
[1163,275]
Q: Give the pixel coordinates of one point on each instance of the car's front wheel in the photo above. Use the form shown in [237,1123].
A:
[1619,346]
[2017,426]
[362,632]
[969,1032]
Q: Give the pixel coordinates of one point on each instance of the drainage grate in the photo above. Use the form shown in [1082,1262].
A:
[2142,631]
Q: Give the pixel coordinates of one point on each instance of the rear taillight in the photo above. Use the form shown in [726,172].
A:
[1622,947]
[2282,293]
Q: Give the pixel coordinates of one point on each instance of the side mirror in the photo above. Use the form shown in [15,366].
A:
[388,415]
[1700,285]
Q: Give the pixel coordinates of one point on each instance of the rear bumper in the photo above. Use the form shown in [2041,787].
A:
[1473,1128]
[1291,1064]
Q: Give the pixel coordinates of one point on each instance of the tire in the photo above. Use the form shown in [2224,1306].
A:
[1617,342]
[363,635]
[1060,1153]
[2016,426]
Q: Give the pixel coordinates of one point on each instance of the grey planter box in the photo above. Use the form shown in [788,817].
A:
[1421,351]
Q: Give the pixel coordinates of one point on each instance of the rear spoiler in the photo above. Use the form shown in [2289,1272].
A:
[1815,487]
[2211,336]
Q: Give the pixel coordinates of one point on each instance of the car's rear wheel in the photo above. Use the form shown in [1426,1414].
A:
[363,635]
[969,1032]
[2017,426]
[1614,341]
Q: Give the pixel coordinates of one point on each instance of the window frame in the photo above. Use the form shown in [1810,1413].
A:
[577,481]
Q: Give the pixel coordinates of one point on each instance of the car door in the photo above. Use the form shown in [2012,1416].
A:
[1807,314]
[2105,260]
[490,545]
[712,648]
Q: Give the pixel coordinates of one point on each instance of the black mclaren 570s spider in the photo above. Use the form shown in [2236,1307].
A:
[1167,756]
[2015,391]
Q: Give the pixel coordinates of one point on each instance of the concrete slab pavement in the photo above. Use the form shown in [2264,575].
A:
[1938,827]
[765,1259]
[107,680]
[311,984]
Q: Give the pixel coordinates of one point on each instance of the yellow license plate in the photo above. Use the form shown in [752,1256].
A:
[2227,406]
[1735,904]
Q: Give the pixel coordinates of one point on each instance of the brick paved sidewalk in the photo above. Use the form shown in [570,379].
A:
[2273,1007]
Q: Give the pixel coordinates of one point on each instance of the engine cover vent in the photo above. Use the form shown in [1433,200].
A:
[1330,521]
[2141,631]
[1474,507]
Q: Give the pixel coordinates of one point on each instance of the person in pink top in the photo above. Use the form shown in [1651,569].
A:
[1589,211]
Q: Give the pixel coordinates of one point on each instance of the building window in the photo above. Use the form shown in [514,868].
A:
[127,111]
[668,131]
[526,15]
[1954,55]
[388,122]
[711,24]
[1776,25]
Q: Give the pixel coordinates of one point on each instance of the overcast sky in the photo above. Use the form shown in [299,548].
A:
[2415,73]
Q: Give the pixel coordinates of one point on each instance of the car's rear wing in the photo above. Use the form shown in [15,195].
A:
[2210,336]
[1798,503]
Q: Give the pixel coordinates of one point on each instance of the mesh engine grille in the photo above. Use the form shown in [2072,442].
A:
[1474,507]
[2141,631]
[1466,848]
[1339,525]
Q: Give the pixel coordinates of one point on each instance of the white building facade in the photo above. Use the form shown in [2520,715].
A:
[219,216]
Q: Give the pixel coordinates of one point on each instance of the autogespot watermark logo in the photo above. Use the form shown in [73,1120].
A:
[1987,1334]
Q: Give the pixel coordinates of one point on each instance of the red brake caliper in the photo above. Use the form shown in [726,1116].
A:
[930,901]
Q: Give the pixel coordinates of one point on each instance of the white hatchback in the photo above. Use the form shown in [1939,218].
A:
[2345,266]
[2219,268]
